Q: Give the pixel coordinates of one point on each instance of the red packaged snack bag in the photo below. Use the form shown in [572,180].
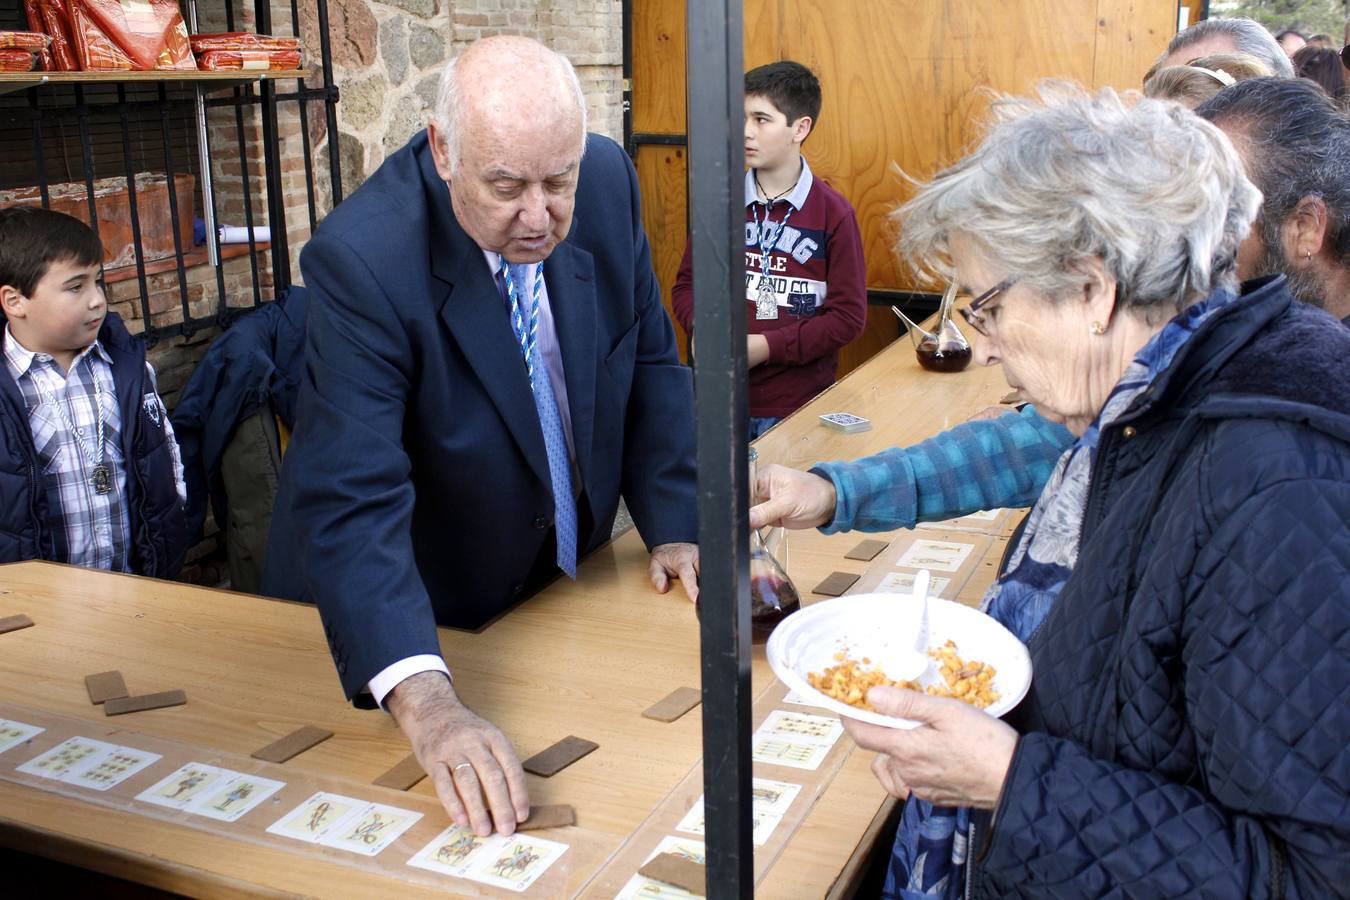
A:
[249,60]
[241,40]
[95,49]
[16,60]
[151,33]
[56,23]
[23,40]
[34,16]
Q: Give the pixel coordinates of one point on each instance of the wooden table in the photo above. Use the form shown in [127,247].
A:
[580,658]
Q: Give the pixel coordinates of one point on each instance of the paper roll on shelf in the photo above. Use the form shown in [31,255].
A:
[238,234]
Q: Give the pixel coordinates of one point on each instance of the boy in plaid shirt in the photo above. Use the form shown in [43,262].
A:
[89,469]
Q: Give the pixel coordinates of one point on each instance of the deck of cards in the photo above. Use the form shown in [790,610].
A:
[845,422]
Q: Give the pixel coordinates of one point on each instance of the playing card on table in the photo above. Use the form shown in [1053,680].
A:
[943,556]
[772,797]
[903,583]
[796,726]
[230,800]
[798,700]
[67,755]
[762,823]
[639,887]
[794,754]
[316,817]
[376,827]
[12,734]
[177,791]
[456,850]
[518,863]
[112,769]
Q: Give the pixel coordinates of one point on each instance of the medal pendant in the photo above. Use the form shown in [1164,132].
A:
[766,305]
[101,479]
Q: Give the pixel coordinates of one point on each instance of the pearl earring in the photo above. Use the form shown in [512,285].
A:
[1097,328]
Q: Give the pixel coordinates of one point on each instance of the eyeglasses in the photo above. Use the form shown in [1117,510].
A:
[972,314]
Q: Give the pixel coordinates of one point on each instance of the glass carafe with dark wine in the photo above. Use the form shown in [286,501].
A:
[773,596]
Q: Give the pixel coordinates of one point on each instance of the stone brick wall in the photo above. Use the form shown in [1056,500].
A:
[388,57]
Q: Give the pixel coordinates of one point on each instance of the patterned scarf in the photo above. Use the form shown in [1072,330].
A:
[929,857]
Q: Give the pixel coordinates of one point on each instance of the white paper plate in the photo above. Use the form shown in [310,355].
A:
[870,625]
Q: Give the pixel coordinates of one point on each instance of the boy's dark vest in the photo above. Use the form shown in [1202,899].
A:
[158,536]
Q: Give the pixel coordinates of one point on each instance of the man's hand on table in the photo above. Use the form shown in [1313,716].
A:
[670,561]
[445,735]
[793,499]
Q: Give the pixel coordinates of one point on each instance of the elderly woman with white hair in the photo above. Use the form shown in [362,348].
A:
[1183,583]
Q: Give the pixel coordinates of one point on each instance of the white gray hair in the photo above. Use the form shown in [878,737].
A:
[1155,192]
[448,107]
[1249,36]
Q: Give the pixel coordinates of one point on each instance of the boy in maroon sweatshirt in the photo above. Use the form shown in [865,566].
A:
[805,280]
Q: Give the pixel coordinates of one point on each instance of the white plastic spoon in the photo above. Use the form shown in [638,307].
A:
[910,664]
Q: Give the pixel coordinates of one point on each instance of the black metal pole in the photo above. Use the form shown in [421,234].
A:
[717,216]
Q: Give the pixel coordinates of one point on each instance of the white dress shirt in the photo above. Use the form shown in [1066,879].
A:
[550,352]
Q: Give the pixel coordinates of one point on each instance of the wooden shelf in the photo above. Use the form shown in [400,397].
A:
[18,81]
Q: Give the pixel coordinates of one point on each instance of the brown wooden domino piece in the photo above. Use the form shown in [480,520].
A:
[835,584]
[671,868]
[553,815]
[143,702]
[404,775]
[558,757]
[293,744]
[14,623]
[675,704]
[866,551]
[103,686]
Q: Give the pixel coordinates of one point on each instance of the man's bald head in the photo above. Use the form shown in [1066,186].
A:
[507,84]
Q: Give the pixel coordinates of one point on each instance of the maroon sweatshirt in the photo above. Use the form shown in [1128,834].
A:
[817,282]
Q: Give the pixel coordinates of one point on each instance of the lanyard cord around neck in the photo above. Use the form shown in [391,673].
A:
[62,408]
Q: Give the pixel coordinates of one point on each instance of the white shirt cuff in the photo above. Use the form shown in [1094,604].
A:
[391,676]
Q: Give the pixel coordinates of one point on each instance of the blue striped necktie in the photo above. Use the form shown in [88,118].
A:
[546,404]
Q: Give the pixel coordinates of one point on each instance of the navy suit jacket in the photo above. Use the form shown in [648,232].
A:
[416,488]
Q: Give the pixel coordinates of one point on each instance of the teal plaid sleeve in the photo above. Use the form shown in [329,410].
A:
[986,464]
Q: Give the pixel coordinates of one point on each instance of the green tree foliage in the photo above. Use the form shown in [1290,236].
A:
[1304,16]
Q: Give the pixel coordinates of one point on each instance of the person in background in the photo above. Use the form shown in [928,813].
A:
[1193,84]
[1322,66]
[1225,36]
[1295,145]
[805,282]
[1183,583]
[1322,41]
[1290,42]
[89,468]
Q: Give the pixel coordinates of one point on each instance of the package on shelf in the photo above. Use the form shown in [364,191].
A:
[17,60]
[249,60]
[24,40]
[111,199]
[52,18]
[147,34]
[95,51]
[241,40]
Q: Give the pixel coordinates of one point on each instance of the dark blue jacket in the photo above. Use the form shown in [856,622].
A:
[158,538]
[257,361]
[1188,725]
[416,488]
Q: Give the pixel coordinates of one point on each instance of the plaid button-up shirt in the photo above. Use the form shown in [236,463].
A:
[89,529]
[985,464]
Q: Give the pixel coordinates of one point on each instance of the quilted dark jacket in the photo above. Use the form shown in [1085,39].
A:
[1186,732]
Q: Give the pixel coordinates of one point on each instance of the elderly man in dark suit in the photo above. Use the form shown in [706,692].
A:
[489,368]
